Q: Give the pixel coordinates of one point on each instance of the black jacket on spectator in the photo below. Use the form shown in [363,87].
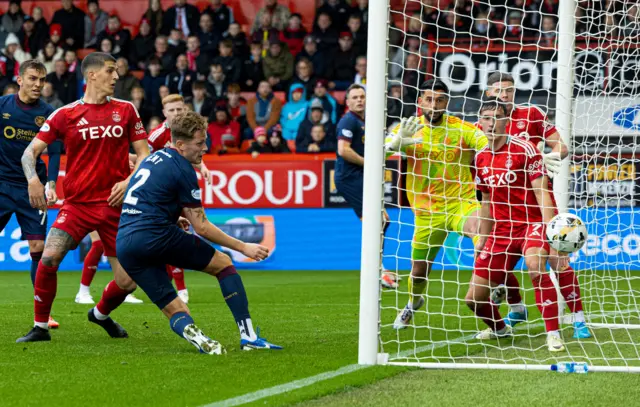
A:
[217,91]
[31,44]
[303,139]
[41,30]
[343,66]
[181,82]
[253,71]
[232,67]
[145,110]
[240,47]
[121,40]
[328,40]
[318,60]
[268,148]
[141,49]
[221,18]
[209,42]
[169,19]
[66,87]
[177,49]
[72,23]
[167,61]
[206,108]
[151,86]
[124,85]
[339,14]
[360,42]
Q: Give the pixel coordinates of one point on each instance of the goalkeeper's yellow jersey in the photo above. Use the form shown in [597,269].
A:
[439,169]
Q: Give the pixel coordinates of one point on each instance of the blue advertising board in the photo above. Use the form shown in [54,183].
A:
[329,239]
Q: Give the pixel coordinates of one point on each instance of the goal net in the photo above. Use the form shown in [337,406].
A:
[591,92]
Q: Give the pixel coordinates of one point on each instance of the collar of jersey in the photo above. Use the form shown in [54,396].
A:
[82,102]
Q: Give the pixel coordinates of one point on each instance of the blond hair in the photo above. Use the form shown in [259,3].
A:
[186,124]
[171,99]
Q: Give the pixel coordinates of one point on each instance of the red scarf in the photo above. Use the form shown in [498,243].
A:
[191,57]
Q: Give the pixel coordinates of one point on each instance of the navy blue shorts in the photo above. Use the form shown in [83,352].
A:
[15,199]
[351,191]
[144,255]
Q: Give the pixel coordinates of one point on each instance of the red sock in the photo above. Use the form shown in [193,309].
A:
[568,281]
[170,272]
[178,276]
[489,314]
[112,297]
[91,262]
[547,301]
[45,291]
[513,289]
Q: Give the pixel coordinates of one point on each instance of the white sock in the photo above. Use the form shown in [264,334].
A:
[182,291]
[519,307]
[579,316]
[84,290]
[99,315]
[246,330]
[553,333]
[43,325]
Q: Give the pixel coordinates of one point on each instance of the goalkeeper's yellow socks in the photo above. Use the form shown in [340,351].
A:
[417,286]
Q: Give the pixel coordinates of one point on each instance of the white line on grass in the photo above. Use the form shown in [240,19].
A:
[298,384]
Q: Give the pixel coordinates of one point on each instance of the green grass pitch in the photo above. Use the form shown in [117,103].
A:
[314,315]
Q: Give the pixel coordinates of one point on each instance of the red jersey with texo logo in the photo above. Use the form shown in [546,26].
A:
[97,139]
[507,175]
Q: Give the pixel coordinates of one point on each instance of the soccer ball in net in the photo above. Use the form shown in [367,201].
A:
[566,232]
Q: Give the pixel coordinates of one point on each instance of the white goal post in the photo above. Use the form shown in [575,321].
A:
[585,98]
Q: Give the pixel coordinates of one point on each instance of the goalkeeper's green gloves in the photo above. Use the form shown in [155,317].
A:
[552,161]
[409,126]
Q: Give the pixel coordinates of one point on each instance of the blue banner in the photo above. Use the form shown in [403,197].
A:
[330,239]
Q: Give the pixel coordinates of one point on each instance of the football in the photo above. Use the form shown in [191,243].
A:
[566,232]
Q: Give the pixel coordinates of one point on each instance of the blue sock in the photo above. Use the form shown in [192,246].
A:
[35,259]
[236,299]
[179,321]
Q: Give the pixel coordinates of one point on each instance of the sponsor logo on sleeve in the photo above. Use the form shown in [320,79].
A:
[45,128]
[347,133]
[196,194]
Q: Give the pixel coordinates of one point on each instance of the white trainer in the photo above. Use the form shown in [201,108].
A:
[84,298]
[489,334]
[406,315]
[131,299]
[387,280]
[555,343]
[184,296]
[194,335]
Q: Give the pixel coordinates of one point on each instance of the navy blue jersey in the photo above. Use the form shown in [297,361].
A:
[164,184]
[351,129]
[19,124]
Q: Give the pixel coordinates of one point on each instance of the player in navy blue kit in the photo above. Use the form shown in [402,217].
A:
[152,234]
[22,115]
[349,171]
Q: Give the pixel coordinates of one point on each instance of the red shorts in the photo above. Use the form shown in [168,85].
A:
[501,254]
[79,220]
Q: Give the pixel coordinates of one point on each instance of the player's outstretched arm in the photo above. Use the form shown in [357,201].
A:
[543,196]
[206,229]
[141,149]
[29,159]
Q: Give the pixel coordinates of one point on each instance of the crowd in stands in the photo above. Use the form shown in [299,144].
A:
[293,74]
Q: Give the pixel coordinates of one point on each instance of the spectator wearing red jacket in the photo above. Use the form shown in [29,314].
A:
[294,34]
[224,132]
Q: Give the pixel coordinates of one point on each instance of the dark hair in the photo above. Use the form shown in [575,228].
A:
[492,103]
[227,43]
[199,85]
[353,86]
[95,60]
[435,85]
[32,64]
[114,17]
[185,125]
[496,77]
[356,16]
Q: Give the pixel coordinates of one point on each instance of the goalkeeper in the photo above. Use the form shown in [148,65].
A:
[440,150]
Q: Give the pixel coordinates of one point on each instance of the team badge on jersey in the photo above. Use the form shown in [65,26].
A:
[508,164]
[40,120]
[116,117]
[521,125]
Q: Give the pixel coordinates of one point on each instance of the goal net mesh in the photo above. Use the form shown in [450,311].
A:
[461,43]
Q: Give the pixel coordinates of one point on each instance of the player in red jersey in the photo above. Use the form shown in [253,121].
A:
[531,123]
[97,131]
[516,206]
[159,138]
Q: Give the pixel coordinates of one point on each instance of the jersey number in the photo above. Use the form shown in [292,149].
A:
[143,174]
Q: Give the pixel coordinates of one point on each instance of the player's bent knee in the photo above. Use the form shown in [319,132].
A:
[51,258]
[175,306]
[36,246]
[219,262]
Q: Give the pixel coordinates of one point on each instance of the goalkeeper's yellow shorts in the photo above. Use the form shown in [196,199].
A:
[431,229]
